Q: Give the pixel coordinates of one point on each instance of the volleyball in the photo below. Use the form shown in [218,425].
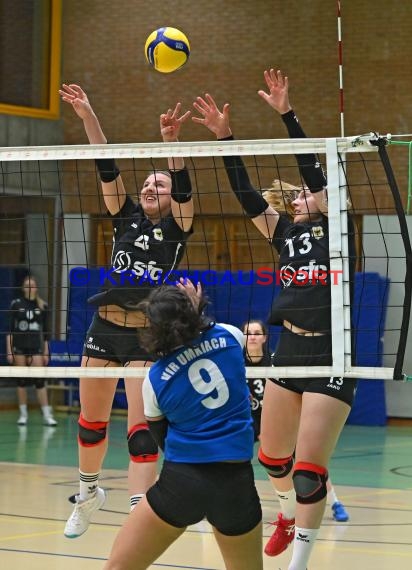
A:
[167,49]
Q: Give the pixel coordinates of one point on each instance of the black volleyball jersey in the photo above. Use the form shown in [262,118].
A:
[142,256]
[257,385]
[304,273]
[28,324]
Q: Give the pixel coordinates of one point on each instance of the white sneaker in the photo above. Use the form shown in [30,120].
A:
[49,421]
[79,520]
[22,421]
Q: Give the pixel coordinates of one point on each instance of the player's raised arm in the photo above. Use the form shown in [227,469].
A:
[182,202]
[309,165]
[263,216]
[114,193]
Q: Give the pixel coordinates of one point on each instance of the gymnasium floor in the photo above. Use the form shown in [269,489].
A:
[371,470]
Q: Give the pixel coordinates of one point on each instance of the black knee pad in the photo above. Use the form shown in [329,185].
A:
[39,383]
[276,468]
[309,481]
[91,433]
[142,446]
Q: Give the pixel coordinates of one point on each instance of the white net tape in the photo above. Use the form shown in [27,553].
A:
[36,162]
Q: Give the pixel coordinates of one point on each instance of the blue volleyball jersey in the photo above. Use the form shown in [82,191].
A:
[202,391]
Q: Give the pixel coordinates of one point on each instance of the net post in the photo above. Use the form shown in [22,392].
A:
[347,308]
[336,263]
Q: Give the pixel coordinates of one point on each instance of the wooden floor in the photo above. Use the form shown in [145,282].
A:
[38,472]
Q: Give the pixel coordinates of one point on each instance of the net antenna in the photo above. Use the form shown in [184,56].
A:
[340,67]
[224,243]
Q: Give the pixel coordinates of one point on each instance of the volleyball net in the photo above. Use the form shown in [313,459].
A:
[55,226]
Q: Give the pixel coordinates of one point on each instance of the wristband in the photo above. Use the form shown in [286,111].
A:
[107,168]
[181,186]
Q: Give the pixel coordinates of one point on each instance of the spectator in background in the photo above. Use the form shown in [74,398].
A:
[256,353]
[27,345]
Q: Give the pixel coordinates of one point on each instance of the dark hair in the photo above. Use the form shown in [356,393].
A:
[173,321]
[258,322]
[265,331]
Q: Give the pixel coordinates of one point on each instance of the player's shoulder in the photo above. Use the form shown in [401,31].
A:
[233,331]
[16,302]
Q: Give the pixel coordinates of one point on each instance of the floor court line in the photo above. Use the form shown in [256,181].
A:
[35,500]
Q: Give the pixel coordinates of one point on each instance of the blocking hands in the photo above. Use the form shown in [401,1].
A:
[278,96]
[214,119]
[171,122]
[74,95]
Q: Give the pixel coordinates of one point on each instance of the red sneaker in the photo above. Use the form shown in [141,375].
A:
[282,537]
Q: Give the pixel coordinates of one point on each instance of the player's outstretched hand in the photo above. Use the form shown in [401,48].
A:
[278,96]
[171,122]
[215,120]
[75,95]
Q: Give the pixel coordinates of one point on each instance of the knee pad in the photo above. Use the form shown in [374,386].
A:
[309,481]
[39,383]
[277,468]
[91,433]
[142,446]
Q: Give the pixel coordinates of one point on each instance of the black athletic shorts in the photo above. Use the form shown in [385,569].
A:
[108,341]
[27,350]
[300,350]
[224,493]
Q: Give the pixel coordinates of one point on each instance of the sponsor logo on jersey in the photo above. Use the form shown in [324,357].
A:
[317,232]
[24,326]
[311,273]
[158,234]
[122,263]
